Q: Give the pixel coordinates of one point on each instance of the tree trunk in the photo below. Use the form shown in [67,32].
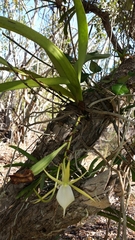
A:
[24,220]
[21,219]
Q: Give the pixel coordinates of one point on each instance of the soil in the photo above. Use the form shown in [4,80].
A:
[94,227]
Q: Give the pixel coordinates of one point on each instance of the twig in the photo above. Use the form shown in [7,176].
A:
[89,7]
[116,115]
[33,55]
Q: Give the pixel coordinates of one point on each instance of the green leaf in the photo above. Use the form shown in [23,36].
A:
[62,91]
[18,84]
[23,152]
[95,56]
[91,167]
[82,35]
[126,108]
[55,54]
[133,174]
[94,67]
[61,63]
[27,191]
[109,215]
[53,83]
[130,222]
[120,89]
[66,18]
[42,181]
[4,62]
[123,79]
[84,77]
[18,164]
[98,167]
[23,72]
[71,59]
[131,73]
[67,15]
[44,162]
[114,214]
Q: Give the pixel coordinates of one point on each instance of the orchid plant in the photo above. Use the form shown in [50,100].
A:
[66,83]
[65,195]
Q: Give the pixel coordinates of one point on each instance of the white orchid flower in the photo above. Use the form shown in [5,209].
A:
[65,197]
[65,194]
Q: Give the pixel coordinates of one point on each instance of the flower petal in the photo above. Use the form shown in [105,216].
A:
[65,196]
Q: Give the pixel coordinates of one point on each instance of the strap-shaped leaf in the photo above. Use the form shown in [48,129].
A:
[53,83]
[18,84]
[61,63]
[82,35]
[44,162]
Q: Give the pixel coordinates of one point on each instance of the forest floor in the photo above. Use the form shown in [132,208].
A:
[98,228]
[94,227]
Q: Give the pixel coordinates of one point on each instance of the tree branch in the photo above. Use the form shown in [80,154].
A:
[106,23]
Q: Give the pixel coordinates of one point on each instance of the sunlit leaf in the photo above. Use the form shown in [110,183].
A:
[82,35]
[61,63]
[44,162]
[18,84]
[120,89]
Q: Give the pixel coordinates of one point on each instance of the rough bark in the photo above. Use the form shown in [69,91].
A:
[22,219]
